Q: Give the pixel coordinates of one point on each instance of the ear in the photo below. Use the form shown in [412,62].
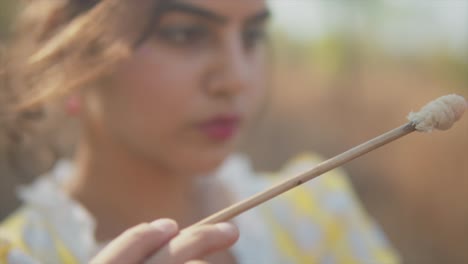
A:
[73,105]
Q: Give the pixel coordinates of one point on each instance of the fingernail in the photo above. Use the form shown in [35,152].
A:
[165,225]
[227,229]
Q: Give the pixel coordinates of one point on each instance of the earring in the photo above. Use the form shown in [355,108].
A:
[73,105]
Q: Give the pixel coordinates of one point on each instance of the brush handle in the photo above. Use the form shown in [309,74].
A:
[288,184]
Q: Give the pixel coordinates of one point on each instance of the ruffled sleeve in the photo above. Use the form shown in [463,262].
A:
[50,227]
[12,248]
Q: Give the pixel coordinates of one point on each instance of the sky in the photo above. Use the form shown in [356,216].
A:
[407,24]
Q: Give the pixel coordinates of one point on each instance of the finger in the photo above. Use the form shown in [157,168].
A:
[196,243]
[197,262]
[137,243]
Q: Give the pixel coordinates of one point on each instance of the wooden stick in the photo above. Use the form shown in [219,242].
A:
[242,206]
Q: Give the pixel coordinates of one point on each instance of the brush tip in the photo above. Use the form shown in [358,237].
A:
[439,114]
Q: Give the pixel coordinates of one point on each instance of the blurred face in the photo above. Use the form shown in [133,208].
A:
[191,88]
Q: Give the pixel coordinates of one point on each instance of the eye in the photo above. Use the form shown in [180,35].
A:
[254,35]
[183,34]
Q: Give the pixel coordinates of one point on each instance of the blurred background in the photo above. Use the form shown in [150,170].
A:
[348,70]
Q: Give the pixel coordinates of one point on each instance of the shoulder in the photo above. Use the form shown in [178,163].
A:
[50,227]
[329,194]
[14,246]
[28,236]
[238,173]
[326,221]
[320,221]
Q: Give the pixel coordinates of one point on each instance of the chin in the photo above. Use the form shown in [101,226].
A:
[205,163]
[208,166]
[193,160]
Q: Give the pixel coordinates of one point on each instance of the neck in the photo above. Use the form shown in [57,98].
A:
[112,184]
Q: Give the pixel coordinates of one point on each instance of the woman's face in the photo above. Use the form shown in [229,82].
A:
[183,99]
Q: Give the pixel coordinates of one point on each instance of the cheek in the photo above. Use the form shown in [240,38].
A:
[149,102]
[149,86]
[147,106]
[257,91]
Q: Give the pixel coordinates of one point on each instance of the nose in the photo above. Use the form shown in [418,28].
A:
[231,71]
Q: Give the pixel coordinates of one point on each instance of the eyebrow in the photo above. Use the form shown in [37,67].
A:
[259,17]
[175,6]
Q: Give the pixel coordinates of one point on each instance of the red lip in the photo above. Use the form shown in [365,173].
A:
[221,128]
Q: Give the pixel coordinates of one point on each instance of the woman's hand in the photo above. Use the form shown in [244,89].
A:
[161,242]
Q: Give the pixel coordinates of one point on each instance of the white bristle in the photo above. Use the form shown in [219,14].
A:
[439,114]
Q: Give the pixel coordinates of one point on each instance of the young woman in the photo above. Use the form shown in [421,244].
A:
[163,91]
